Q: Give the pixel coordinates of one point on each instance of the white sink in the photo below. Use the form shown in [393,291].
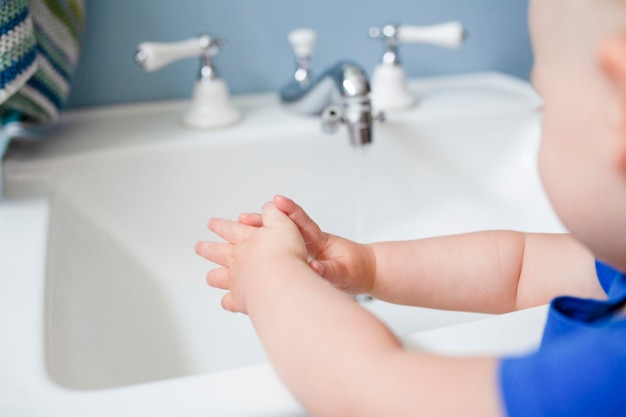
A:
[128,192]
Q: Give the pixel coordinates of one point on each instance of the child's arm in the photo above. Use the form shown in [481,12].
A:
[492,272]
[495,271]
[335,357]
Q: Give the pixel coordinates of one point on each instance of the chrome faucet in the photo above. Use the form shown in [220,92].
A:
[340,95]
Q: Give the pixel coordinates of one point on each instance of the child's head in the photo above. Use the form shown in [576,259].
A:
[580,71]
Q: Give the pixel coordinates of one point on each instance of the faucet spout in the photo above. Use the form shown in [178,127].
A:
[341,95]
[357,116]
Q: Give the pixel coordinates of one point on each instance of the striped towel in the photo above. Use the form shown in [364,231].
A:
[39,48]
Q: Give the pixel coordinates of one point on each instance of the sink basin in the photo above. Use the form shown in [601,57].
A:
[127,193]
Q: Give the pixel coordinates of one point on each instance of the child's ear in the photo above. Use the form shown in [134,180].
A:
[613,64]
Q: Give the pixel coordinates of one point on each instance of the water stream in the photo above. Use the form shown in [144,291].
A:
[361,170]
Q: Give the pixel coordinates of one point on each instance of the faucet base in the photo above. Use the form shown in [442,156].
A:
[210,106]
[389,89]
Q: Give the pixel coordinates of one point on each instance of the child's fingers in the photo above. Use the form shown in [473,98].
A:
[251,219]
[218,278]
[271,216]
[335,274]
[325,269]
[230,230]
[318,267]
[220,253]
[313,236]
[228,304]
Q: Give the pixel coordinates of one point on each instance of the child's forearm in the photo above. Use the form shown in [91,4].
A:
[307,326]
[339,360]
[493,272]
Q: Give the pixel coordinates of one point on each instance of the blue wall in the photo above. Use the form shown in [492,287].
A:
[259,58]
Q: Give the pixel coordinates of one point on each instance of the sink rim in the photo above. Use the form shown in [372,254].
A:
[32,379]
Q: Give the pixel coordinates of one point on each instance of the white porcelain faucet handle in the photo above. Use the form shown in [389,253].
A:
[389,88]
[302,41]
[210,105]
[152,56]
[449,35]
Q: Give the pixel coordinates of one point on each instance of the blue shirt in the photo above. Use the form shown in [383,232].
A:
[580,367]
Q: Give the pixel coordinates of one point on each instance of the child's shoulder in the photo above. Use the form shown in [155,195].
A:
[580,367]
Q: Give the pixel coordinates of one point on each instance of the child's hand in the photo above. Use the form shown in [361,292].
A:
[250,254]
[348,265]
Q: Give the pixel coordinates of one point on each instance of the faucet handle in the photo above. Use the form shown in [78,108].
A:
[448,35]
[303,41]
[389,89]
[151,56]
[210,103]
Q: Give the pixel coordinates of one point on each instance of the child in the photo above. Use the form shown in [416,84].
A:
[338,360]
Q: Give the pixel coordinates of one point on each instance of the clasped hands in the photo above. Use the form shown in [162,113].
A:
[262,246]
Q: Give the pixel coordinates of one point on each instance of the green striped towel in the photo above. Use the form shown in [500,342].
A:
[39,48]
